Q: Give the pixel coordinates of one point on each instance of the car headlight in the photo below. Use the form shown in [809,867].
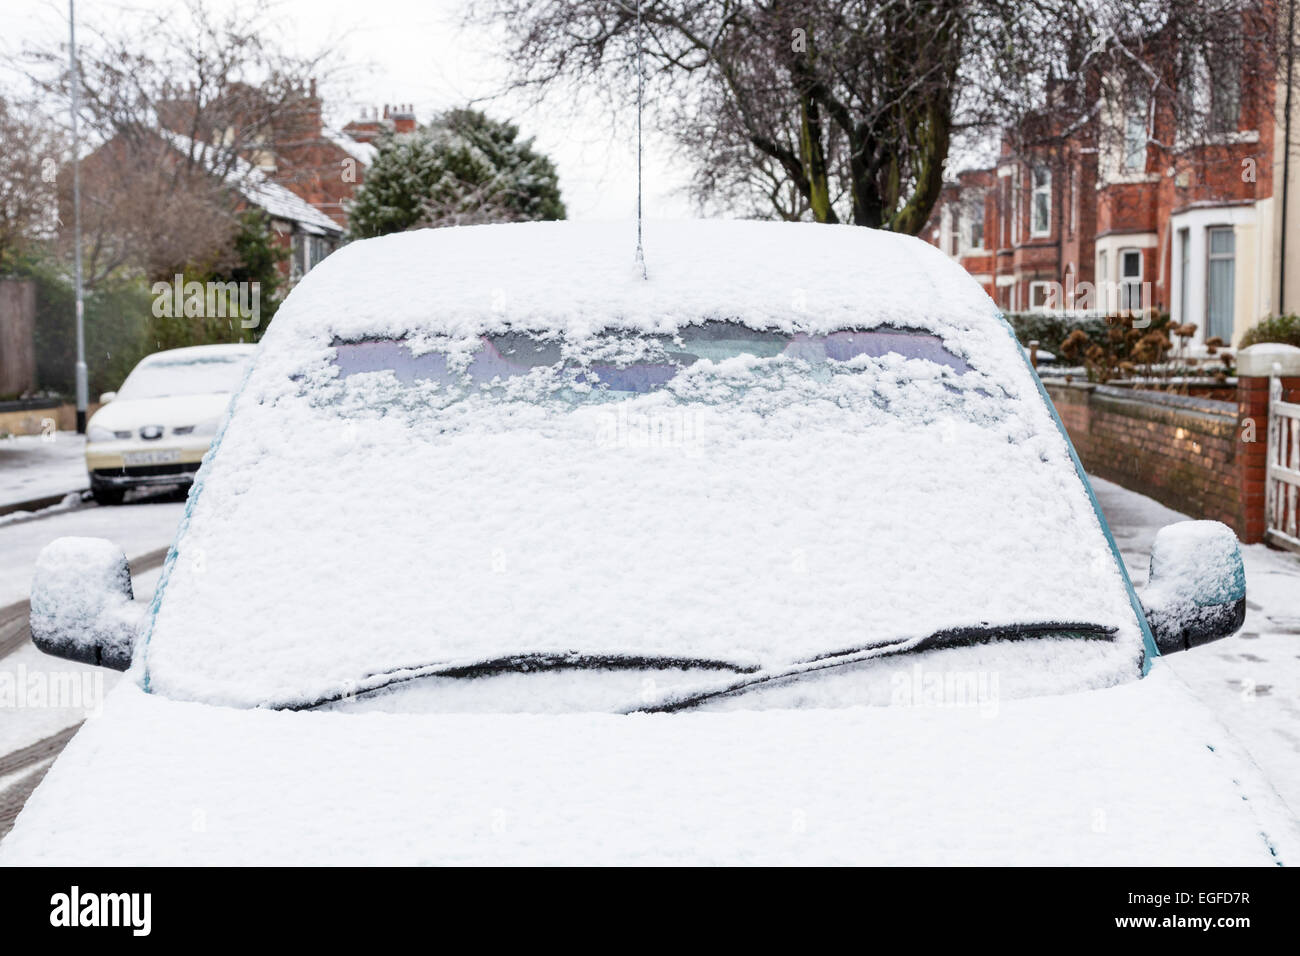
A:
[97,433]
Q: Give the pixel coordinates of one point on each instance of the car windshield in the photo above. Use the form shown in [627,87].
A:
[556,513]
[614,365]
[886,371]
[645,365]
[166,377]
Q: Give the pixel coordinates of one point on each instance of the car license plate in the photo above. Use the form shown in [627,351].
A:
[163,456]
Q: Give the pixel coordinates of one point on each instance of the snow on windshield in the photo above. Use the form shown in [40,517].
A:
[882,372]
[367,511]
[166,375]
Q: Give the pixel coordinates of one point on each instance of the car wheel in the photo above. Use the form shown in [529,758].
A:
[107,495]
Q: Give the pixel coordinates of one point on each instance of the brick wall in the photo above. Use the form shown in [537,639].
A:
[1184,452]
[1252,466]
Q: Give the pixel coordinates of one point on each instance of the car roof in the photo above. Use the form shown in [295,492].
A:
[194,353]
[579,277]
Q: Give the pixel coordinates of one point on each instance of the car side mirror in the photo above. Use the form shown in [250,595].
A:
[82,606]
[106,397]
[1196,592]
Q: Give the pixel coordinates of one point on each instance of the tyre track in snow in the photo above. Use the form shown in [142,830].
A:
[37,758]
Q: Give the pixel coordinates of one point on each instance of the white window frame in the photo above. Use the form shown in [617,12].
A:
[1074,200]
[1041,190]
[1130,287]
[976,217]
[1133,154]
[1211,257]
[297,240]
[1016,187]
[1183,236]
[1044,286]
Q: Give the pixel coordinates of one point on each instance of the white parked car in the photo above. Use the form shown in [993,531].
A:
[157,427]
[507,555]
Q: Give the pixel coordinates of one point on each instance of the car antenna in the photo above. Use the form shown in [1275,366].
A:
[640,95]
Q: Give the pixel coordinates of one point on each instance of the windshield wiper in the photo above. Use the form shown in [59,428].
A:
[527,663]
[683,698]
[749,676]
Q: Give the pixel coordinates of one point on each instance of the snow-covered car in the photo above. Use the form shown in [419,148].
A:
[157,427]
[505,554]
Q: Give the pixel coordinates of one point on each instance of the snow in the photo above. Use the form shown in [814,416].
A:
[72,692]
[577,278]
[136,528]
[1194,565]
[199,370]
[1132,775]
[1250,680]
[363,153]
[787,516]
[39,466]
[81,604]
[275,199]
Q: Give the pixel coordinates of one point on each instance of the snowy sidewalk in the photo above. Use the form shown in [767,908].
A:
[36,466]
[1250,680]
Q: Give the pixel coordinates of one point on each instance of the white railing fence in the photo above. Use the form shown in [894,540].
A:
[1282,525]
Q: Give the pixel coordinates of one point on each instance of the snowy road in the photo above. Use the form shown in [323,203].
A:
[35,726]
[1250,681]
[41,466]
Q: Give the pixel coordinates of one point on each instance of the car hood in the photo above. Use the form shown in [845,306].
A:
[1137,774]
[125,414]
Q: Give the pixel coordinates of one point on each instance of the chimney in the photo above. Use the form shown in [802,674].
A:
[311,112]
[404,118]
[370,126]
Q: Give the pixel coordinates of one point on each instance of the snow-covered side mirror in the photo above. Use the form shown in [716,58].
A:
[82,605]
[1197,589]
[106,397]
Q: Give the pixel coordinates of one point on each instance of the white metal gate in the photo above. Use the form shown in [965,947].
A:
[1282,526]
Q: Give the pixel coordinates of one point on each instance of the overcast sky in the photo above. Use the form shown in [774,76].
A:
[415,51]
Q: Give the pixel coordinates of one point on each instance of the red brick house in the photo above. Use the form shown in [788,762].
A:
[1123,212]
[307,177]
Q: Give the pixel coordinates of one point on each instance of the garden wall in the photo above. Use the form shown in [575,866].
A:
[1181,451]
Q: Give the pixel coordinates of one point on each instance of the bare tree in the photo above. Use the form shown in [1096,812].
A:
[31,151]
[847,110]
[181,109]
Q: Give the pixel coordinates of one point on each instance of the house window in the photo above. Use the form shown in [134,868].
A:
[296,243]
[1214,86]
[1042,202]
[1015,207]
[1131,280]
[1225,84]
[1074,200]
[1222,256]
[1184,267]
[975,219]
[1040,296]
[318,249]
[1004,209]
[1135,135]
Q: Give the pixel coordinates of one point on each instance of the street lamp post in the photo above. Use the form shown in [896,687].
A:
[76,220]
